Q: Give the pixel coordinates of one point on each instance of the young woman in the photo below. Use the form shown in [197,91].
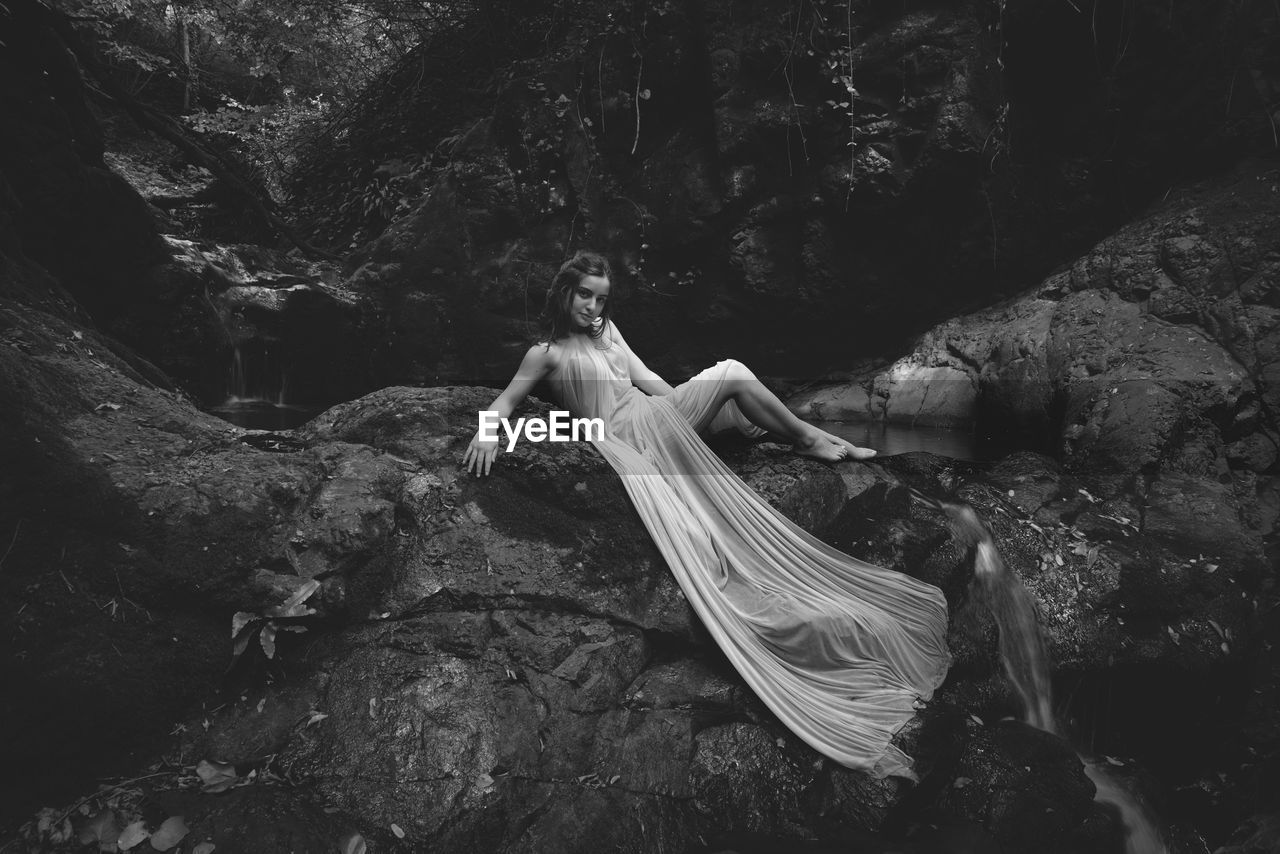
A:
[839,649]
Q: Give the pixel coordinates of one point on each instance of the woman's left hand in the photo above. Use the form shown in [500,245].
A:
[480,455]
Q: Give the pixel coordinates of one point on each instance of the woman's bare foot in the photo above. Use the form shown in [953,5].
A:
[853,451]
[820,448]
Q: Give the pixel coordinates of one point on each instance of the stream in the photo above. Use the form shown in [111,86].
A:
[1025,660]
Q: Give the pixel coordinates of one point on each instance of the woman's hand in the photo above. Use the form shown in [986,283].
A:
[480,455]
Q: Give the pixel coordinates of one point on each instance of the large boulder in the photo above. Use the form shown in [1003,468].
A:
[1147,365]
[494,664]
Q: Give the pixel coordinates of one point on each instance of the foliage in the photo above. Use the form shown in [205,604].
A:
[258,78]
[264,135]
[246,625]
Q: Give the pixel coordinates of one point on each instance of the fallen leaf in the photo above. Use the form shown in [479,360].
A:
[240,620]
[484,782]
[216,776]
[316,717]
[100,408]
[1112,760]
[205,847]
[961,782]
[977,720]
[101,828]
[132,835]
[395,828]
[267,637]
[293,607]
[352,843]
[169,834]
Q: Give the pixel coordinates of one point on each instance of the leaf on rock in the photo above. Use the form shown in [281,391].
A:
[268,640]
[101,829]
[216,776]
[484,782]
[316,717]
[352,843]
[132,835]
[961,782]
[205,847]
[293,607]
[101,407]
[395,828]
[169,834]
[240,621]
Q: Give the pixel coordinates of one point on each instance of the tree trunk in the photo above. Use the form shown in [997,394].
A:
[184,46]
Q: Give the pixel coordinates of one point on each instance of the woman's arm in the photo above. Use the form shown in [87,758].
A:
[537,363]
[641,376]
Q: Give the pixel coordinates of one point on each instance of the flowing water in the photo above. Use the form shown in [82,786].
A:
[257,391]
[1026,664]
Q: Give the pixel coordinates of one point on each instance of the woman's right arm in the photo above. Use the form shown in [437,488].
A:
[537,363]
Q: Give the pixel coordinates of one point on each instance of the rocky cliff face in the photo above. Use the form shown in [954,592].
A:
[1149,365]
[802,186]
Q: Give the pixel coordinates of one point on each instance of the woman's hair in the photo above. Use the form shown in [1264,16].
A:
[555,315]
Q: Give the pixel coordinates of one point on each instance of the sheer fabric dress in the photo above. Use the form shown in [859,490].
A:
[837,648]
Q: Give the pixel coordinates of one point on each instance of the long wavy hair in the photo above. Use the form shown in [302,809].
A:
[555,314]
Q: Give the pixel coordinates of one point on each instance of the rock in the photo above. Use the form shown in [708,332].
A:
[1157,411]
[925,396]
[1259,835]
[247,322]
[79,220]
[832,403]
[1029,790]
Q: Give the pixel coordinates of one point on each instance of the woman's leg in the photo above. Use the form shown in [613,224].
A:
[765,409]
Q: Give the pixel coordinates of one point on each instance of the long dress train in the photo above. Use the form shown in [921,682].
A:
[837,648]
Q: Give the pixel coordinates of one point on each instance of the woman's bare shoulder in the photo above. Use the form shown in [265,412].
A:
[544,356]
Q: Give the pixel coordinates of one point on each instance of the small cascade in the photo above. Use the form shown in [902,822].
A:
[257,380]
[1025,659]
[256,375]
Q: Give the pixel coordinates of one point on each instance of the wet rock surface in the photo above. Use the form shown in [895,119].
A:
[1165,416]
[495,664]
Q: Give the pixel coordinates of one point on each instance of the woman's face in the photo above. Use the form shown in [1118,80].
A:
[586,301]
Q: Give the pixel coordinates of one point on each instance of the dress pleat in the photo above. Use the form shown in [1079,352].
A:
[837,648]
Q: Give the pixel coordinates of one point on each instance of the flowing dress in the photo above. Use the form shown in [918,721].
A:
[838,649]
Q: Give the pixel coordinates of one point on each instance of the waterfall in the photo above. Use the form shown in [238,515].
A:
[256,375]
[1024,657]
